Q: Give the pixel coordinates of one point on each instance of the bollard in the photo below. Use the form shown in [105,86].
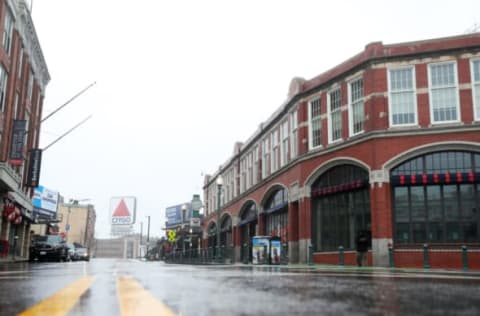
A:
[341,259]
[465,257]
[426,261]
[310,254]
[284,253]
[245,254]
[390,256]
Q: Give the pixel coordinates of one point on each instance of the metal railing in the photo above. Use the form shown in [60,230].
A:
[209,255]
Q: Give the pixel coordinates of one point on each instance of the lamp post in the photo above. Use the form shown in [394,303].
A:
[148,235]
[184,210]
[219,187]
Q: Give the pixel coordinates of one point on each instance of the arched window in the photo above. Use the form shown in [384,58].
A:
[340,207]
[435,198]
[276,212]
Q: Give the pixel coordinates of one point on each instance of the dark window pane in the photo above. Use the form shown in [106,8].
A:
[402,232]
[470,231]
[450,200]
[453,232]
[433,202]
[419,232]
[435,232]
[401,204]
[418,204]
[467,201]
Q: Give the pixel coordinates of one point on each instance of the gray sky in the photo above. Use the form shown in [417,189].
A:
[178,82]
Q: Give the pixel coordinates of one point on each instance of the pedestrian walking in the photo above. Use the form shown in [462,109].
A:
[362,243]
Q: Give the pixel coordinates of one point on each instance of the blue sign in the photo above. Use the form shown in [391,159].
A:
[174,214]
[45,201]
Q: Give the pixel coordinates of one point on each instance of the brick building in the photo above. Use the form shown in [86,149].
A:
[387,142]
[23,80]
[81,220]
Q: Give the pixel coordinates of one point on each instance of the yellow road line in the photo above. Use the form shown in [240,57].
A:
[135,300]
[61,302]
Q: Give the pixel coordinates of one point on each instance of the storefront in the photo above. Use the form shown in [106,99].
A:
[340,208]
[248,229]
[226,231]
[436,199]
[276,215]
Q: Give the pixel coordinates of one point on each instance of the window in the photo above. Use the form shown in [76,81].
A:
[7,32]
[335,115]
[476,87]
[402,97]
[284,139]
[256,166]
[443,93]
[266,157]
[275,151]
[294,134]
[435,198]
[314,112]
[3,88]
[356,109]
[243,175]
[30,86]
[249,170]
[20,63]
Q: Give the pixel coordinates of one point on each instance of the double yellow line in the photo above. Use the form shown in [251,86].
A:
[133,299]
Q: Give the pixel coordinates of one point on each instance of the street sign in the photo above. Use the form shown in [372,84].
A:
[172,235]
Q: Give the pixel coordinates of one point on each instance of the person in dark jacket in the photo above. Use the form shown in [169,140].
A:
[362,243]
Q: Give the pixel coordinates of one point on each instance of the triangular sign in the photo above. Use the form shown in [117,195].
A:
[121,210]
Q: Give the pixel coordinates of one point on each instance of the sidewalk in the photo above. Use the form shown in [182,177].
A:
[9,259]
[365,270]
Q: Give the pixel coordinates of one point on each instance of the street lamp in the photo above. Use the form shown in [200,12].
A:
[184,210]
[219,187]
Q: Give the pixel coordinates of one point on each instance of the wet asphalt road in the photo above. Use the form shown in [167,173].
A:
[239,290]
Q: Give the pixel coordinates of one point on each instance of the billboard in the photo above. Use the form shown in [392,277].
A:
[123,210]
[45,202]
[174,214]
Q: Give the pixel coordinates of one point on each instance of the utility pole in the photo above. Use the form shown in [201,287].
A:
[141,232]
[148,233]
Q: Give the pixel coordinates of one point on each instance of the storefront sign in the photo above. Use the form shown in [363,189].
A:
[18,142]
[34,164]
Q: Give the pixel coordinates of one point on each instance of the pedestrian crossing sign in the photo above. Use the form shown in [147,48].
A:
[172,235]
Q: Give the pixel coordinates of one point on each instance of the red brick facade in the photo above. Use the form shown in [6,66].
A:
[377,149]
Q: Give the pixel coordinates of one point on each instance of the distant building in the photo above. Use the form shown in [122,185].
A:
[23,80]
[78,223]
[122,248]
[387,142]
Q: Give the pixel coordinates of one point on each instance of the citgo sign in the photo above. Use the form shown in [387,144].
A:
[123,210]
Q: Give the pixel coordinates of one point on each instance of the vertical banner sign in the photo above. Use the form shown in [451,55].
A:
[18,142]
[35,162]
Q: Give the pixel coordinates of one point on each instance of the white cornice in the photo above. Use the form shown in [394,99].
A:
[26,29]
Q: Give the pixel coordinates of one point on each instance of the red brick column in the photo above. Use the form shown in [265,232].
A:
[261,224]
[293,231]
[381,215]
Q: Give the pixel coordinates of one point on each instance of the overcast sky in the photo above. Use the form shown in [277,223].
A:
[179,82]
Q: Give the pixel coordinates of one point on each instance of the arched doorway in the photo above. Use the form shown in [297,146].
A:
[226,231]
[340,207]
[248,228]
[436,198]
[276,214]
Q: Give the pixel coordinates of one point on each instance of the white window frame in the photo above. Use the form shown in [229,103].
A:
[350,106]
[265,154]
[249,159]
[390,92]
[457,99]
[284,134]
[256,164]
[293,134]
[330,113]
[310,123]
[243,175]
[7,32]
[475,90]
[275,156]
[20,63]
[30,86]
